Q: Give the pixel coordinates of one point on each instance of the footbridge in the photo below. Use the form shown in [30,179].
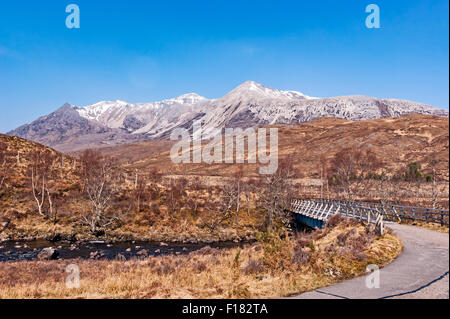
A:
[315,213]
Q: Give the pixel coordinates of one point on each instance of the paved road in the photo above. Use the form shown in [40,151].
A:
[421,271]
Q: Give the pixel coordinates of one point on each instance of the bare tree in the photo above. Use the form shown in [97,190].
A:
[323,168]
[194,200]
[140,190]
[175,194]
[3,163]
[276,191]
[41,172]
[100,177]
[154,178]
[351,167]
[434,187]
[232,192]
[249,191]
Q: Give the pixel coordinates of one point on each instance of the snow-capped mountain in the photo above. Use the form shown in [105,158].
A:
[145,117]
[249,105]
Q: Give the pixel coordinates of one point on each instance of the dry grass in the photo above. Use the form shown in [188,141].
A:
[431,226]
[272,268]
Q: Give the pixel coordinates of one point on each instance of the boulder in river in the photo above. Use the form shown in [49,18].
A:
[48,253]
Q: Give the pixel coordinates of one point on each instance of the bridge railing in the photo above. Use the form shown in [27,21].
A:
[402,213]
[317,212]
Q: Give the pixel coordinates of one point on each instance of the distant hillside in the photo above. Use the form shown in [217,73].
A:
[16,192]
[396,141]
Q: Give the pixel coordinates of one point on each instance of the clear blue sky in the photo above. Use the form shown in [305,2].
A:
[141,51]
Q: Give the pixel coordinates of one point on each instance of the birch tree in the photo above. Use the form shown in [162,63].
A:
[100,181]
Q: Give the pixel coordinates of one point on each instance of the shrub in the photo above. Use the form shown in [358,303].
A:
[164,269]
[334,220]
[277,250]
[199,267]
[253,266]
[300,257]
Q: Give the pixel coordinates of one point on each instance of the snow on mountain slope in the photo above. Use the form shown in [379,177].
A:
[248,105]
[253,89]
[133,117]
[157,118]
[252,104]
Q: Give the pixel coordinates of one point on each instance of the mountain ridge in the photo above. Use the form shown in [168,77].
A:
[250,104]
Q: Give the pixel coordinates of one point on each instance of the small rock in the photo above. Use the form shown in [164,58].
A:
[4,224]
[128,250]
[48,253]
[177,253]
[163,244]
[4,237]
[184,248]
[96,255]
[142,253]
[137,247]
[157,251]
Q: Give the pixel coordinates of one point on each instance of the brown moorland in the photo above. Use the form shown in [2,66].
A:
[152,206]
[422,140]
[272,268]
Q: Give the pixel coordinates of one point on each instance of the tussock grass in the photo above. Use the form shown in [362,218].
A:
[275,266]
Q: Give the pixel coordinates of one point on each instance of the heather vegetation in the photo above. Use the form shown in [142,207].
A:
[93,196]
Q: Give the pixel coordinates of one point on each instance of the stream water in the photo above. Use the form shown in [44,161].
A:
[29,250]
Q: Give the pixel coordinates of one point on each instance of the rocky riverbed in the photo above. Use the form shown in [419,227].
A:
[48,250]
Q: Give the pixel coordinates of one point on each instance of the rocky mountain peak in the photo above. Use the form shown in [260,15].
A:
[251,104]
